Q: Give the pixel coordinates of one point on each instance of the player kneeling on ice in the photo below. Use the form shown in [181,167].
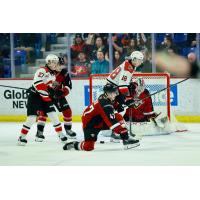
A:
[101,115]
[39,99]
[58,92]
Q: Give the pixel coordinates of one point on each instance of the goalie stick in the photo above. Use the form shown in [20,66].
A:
[167,87]
[164,89]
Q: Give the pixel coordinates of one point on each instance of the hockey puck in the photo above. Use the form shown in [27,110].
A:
[102,142]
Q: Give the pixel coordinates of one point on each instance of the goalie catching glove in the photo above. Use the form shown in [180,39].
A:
[133,102]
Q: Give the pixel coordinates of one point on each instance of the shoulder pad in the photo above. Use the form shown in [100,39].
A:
[128,67]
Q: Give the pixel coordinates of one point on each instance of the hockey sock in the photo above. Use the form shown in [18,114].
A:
[67,117]
[41,123]
[27,125]
[56,123]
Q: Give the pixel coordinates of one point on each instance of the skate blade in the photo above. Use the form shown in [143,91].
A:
[114,140]
[39,139]
[21,143]
[71,137]
[64,142]
[131,146]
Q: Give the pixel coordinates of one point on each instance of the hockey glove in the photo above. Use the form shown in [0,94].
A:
[133,102]
[59,93]
[51,92]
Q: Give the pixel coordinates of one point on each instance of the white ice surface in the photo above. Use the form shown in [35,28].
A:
[173,149]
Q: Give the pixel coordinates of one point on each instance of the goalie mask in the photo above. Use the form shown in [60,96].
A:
[140,85]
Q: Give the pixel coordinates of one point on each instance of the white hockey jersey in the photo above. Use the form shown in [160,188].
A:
[43,79]
[122,76]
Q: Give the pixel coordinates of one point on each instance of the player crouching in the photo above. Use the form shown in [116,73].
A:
[101,115]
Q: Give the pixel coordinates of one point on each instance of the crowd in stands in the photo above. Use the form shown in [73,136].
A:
[90,51]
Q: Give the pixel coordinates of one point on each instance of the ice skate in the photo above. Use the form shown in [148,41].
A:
[68,146]
[22,141]
[130,143]
[63,138]
[39,137]
[70,133]
[115,138]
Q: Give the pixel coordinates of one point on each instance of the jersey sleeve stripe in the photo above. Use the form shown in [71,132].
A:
[115,125]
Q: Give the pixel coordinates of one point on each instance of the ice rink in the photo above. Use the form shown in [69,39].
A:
[174,149]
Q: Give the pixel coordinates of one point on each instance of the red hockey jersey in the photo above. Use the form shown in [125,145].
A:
[63,82]
[100,115]
[143,110]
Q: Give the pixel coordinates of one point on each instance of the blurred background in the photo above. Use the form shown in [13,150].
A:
[22,53]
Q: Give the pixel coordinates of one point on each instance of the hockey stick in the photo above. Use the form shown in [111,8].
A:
[166,88]
[130,122]
[163,89]
[13,87]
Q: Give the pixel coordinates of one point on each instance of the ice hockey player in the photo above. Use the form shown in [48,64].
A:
[100,115]
[143,118]
[61,87]
[142,110]
[122,75]
[39,99]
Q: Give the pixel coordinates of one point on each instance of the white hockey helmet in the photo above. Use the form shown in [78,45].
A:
[137,55]
[51,58]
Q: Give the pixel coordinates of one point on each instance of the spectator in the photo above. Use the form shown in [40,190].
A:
[123,46]
[100,66]
[132,46]
[26,42]
[65,57]
[81,67]
[141,42]
[192,58]
[5,70]
[191,40]
[90,38]
[99,46]
[78,46]
[168,45]
[118,59]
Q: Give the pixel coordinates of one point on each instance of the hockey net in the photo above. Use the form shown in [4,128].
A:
[154,82]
